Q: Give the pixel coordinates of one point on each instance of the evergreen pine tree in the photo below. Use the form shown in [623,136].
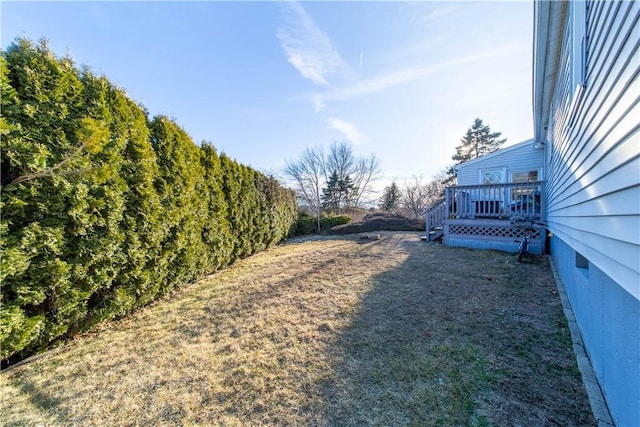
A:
[331,193]
[138,279]
[347,193]
[337,193]
[391,195]
[478,141]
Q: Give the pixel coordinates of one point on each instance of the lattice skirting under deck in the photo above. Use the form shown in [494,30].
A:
[485,231]
[490,234]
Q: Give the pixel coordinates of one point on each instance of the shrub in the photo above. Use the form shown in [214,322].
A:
[327,222]
[307,224]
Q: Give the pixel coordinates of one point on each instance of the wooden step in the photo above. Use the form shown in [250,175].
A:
[435,234]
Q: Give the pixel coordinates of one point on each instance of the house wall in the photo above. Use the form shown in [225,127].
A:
[593,197]
[605,312]
[518,158]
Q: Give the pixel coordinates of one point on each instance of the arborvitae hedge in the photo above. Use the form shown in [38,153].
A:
[307,224]
[104,210]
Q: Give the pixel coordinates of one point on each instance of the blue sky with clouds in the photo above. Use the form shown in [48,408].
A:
[263,80]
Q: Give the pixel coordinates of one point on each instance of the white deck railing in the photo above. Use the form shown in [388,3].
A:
[498,201]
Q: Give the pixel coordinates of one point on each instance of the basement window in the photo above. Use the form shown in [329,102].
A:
[581,262]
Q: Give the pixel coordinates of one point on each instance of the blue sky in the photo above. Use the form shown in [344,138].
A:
[263,80]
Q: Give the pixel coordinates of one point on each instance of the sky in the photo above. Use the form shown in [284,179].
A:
[264,80]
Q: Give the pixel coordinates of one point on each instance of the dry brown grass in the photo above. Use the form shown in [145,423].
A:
[324,331]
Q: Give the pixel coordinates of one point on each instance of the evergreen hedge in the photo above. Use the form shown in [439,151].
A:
[307,224]
[105,210]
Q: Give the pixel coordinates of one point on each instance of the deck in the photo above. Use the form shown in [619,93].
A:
[479,216]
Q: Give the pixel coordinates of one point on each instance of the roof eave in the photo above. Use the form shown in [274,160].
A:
[548,26]
[501,151]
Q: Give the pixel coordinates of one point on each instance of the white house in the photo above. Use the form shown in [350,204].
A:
[490,191]
[586,99]
[522,162]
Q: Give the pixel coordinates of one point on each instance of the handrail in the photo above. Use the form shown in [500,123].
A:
[436,215]
[525,199]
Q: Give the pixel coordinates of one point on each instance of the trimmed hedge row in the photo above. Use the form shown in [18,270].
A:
[105,210]
[308,224]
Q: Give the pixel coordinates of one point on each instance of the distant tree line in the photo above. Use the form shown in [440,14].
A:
[105,210]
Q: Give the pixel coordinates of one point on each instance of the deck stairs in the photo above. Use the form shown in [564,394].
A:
[435,221]
[436,234]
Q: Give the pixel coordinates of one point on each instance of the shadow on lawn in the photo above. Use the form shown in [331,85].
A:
[457,337]
[393,331]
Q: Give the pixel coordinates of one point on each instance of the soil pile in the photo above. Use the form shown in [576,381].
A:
[379,221]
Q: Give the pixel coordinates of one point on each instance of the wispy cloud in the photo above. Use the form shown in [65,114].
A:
[430,12]
[349,130]
[406,75]
[317,102]
[307,48]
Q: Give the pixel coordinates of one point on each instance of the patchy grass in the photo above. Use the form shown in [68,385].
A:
[324,331]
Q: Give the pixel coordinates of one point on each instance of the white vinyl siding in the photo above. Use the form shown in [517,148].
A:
[520,157]
[577,48]
[593,191]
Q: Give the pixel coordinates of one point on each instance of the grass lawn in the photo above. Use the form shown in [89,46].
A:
[324,331]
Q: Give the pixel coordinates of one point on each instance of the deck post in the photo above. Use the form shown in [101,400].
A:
[427,215]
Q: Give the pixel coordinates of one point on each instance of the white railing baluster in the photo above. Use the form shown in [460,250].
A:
[524,199]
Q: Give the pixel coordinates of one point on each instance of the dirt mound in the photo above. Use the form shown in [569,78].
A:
[379,221]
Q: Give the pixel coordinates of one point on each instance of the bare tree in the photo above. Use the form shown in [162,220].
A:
[435,191]
[367,170]
[308,174]
[353,176]
[340,160]
[359,172]
[414,196]
[418,196]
